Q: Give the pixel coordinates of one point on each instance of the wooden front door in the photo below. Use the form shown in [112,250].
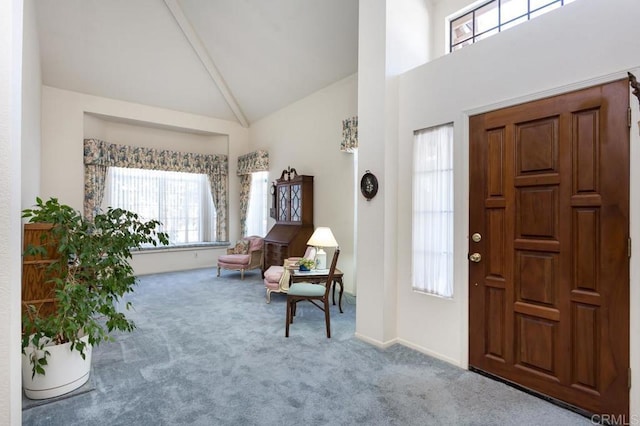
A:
[549,274]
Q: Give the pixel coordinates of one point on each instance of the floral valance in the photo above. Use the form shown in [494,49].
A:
[101,153]
[256,161]
[349,141]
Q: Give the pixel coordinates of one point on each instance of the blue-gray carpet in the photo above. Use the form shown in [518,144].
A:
[210,351]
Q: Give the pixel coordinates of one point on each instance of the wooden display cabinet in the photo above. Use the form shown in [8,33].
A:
[38,289]
[293,199]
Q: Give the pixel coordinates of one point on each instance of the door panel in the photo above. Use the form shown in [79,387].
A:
[549,193]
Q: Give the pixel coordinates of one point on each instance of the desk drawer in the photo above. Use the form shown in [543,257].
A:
[275,254]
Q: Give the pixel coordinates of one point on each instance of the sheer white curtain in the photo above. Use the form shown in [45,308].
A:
[432,263]
[258,199]
[181,201]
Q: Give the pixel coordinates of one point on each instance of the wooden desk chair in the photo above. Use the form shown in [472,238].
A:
[313,293]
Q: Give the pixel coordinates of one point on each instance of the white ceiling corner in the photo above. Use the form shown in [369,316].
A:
[205,58]
[236,60]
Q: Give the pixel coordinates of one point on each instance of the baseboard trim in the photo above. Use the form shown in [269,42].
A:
[537,394]
[430,353]
[398,341]
[376,343]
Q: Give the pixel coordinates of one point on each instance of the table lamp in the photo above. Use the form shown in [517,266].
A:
[322,237]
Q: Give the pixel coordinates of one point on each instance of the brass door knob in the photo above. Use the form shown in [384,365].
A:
[475,257]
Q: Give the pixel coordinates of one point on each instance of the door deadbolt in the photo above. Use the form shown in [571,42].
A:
[475,257]
[476,237]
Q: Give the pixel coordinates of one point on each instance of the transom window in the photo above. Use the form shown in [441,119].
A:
[494,16]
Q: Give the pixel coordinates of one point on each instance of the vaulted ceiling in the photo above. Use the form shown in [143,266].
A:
[237,60]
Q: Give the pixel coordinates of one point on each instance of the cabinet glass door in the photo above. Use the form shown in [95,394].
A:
[296,203]
[283,203]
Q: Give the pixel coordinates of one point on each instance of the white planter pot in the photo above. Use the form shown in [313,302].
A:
[65,371]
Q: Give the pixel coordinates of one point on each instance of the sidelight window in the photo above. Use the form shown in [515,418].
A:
[495,16]
[258,204]
[432,244]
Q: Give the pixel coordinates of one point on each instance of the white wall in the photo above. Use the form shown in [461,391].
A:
[144,135]
[306,135]
[408,35]
[31,99]
[585,43]
[385,49]
[67,116]
[10,135]
[375,319]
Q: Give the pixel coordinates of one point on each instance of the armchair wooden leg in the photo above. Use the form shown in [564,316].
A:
[268,295]
[242,274]
[218,271]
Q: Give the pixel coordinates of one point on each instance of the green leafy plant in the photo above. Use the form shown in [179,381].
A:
[90,277]
[307,263]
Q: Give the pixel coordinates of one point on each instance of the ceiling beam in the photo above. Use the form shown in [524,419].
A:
[206,60]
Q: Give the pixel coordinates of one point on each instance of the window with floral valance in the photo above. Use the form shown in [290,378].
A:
[256,161]
[99,155]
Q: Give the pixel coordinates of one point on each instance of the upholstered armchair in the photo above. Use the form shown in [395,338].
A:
[276,278]
[247,254]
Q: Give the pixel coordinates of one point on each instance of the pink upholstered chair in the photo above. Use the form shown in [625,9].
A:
[251,259]
[276,278]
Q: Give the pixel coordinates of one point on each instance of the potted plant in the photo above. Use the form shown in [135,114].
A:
[306,264]
[89,279]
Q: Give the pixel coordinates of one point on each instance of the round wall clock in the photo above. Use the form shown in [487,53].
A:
[369,185]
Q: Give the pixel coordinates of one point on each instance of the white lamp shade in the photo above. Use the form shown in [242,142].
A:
[322,237]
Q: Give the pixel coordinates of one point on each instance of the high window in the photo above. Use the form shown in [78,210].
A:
[257,210]
[432,244]
[181,201]
[494,16]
